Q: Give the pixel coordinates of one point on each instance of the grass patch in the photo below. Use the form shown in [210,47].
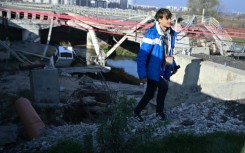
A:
[123,52]
[219,142]
[239,41]
[120,51]
[67,146]
[72,146]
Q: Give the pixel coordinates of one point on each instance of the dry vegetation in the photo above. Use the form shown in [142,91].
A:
[234,23]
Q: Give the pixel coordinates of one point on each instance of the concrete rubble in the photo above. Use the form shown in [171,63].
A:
[188,110]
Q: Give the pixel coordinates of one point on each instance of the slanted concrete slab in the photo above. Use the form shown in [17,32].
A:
[221,81]
[188,74]
[216,80]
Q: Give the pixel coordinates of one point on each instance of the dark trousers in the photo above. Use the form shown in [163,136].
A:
[151,88]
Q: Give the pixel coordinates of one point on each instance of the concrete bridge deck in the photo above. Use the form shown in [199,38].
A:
[129,24]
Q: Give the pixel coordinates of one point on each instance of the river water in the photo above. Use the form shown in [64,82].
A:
[126,63]
[123,68]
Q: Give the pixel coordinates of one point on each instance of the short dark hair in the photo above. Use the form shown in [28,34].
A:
[163,12]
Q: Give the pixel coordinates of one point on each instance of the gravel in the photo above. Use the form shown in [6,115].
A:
[204,117]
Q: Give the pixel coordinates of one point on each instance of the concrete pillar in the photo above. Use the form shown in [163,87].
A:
[25,34]
[35,31]
[31,35]
[17,15]
[90,53]
[33,16]
[93,44]
[45,86]
[203,12]
[36,34]
[91,57]
[8,14]
[41,16]
[1,13]
[89,44]
[25,15]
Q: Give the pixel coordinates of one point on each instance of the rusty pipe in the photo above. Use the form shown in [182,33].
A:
[31,121]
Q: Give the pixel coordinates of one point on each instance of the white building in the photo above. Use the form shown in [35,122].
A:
[177,8]
[123,4]
[131,4]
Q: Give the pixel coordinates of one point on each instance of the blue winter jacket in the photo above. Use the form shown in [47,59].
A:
[152,48]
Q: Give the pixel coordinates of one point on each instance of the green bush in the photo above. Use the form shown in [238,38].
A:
[88,142]
[113,128]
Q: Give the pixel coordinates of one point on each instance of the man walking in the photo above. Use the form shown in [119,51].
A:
[152,66]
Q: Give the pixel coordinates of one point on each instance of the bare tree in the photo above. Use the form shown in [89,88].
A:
[211,6]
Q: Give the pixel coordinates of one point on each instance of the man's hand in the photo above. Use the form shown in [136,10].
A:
[175,69]
[143,81]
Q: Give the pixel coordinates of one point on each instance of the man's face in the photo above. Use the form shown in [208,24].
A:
[164,23]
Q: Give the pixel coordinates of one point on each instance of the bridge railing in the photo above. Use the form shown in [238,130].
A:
[101,11]
[82,10]
[223,38]
[41,6]
[216,23]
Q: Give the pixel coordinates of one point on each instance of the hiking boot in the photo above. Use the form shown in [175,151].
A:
[138,117]
[161,116]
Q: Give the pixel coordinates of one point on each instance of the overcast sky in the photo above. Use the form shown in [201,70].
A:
[227,5]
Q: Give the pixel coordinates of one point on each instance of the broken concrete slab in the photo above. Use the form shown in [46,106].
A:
[8,134]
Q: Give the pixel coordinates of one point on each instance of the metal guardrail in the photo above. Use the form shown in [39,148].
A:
[216,23]
[238,48]
[224,40]
[40,7]
[101,11]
